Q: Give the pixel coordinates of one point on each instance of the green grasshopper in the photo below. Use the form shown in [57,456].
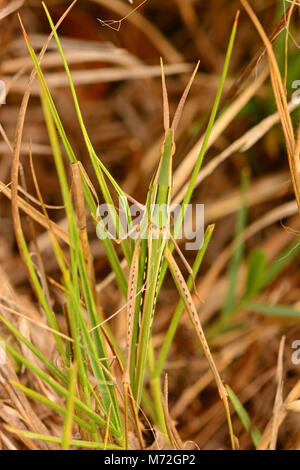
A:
[150,250]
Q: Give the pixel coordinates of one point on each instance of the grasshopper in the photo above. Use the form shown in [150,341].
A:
[150,250]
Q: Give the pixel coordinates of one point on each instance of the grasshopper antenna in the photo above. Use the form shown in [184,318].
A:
[180,106]
[165,97]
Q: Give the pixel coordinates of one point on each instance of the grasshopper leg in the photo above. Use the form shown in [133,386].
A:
[191,309]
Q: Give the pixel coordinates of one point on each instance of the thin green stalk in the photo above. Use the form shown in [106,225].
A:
[71,284]
[210,124]
[58,440]
[69,416]
[50,404]
[35,351]
[78,267]
[39,289]
[186,200]
[97,164]
[244,417]
[62,391]
[238,252]
[281,311]
[107,243]
[156,393]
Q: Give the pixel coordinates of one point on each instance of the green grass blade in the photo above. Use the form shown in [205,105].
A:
[108,246]
[145,329]
[58,440]
[157,250]
[82,407]
[257,265]
[69,416]
[35,351]
[282,311]
[95,351]
[49,314]
[70,283]
[107,390]
[187,198]
[50,404]
[237,256]
[244,417]
[277,266]
[211,121]
[97,164]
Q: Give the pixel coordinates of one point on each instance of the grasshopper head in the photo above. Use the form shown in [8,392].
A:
[181,103]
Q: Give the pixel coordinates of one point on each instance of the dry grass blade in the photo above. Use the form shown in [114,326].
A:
[228,354]
[12,6]
[39,261]
[287,19]
[20,401]
[172,431]
[282,24]
[185,168]
[26,440]
[83,234]
[266,220]
[18,140]
[77,53]
[103,75]
[249,285]
[280,97]
[293,406]
[6,442]
[35,214]
[278,398]
[38,323]
[242,144]
[5,138]
[267,435]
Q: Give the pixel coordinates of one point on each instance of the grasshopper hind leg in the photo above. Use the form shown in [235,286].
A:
[191,309]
